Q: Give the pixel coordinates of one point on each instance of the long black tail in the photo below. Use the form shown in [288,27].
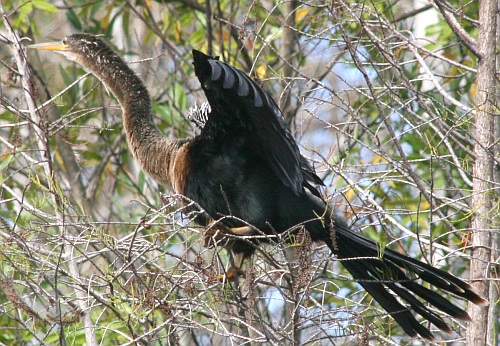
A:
[381,271]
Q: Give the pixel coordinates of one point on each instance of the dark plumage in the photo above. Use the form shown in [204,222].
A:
[245,165]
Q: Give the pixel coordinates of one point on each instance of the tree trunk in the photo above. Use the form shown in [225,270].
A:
[485,249]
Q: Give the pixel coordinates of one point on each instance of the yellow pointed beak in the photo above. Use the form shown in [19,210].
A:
[56,46]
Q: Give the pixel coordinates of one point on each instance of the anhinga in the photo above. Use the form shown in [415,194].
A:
[246,165]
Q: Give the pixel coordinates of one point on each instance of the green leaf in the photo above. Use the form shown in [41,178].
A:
[44,6]
[74,20]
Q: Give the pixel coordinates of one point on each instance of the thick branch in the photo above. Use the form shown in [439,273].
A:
[458,30]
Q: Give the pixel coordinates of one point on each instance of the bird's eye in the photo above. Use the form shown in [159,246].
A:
[65,42]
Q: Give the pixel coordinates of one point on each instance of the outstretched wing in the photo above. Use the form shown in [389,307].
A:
[239,104]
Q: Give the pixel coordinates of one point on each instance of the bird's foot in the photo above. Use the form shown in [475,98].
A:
[235,270]
[217,234]
[232,274]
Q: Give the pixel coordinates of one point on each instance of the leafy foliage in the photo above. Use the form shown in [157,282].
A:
[385,115]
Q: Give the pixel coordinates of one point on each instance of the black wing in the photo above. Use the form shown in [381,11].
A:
[239,104]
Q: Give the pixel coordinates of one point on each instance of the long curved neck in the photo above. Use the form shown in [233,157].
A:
[155,153]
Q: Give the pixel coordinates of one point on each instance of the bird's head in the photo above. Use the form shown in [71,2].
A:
[96,57]
[77,47]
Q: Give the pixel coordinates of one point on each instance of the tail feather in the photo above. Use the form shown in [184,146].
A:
[436,300]
[380,272]
[401,314]
[420,308]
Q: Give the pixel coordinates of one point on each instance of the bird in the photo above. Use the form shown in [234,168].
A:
[244,169]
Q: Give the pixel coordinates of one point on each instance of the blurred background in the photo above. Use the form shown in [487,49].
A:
[379,95]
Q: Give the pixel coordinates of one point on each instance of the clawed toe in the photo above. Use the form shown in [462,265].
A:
[217,234]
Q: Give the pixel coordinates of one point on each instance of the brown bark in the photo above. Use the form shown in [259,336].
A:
[480,332]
